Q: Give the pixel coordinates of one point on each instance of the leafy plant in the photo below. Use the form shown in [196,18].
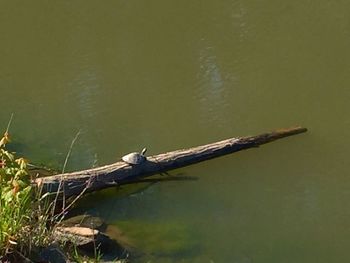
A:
[27,216]
[15,197]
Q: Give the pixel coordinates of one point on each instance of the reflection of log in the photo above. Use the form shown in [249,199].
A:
[120,172]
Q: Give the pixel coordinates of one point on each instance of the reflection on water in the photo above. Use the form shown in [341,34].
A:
[174,75]
[211,89]
[85,90]
[238,16]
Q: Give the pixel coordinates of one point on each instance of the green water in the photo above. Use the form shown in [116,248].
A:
[175,74]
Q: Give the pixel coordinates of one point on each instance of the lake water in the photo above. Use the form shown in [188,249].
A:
[176,74]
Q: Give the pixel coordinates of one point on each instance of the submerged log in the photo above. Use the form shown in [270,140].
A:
[72,184]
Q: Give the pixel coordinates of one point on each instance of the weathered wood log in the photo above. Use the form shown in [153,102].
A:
[71,184]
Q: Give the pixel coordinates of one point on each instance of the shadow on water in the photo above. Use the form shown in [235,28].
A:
[161,240]
[143,239]
[127,189]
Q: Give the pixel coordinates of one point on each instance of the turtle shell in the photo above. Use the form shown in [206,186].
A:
[134,158]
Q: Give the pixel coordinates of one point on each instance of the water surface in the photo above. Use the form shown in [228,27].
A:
[175,74]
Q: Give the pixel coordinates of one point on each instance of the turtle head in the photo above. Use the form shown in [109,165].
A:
[144,150]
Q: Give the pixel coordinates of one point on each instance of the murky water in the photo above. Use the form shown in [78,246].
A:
[175,74]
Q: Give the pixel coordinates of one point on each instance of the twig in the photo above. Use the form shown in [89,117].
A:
[70,151]
[64,210]
[9,123]
[62,177]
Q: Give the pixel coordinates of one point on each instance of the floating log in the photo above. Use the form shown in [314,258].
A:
[75,183]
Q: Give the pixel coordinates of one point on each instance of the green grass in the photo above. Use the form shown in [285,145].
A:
[15,199]
[27,216]
[23,212]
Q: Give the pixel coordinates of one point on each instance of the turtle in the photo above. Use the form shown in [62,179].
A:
[135,157]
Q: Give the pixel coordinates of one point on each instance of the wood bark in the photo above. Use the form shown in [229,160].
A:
[72,184]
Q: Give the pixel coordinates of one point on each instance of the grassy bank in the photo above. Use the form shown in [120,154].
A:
[23,221]
[27,217]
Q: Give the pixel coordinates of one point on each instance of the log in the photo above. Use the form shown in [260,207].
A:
[75,183]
